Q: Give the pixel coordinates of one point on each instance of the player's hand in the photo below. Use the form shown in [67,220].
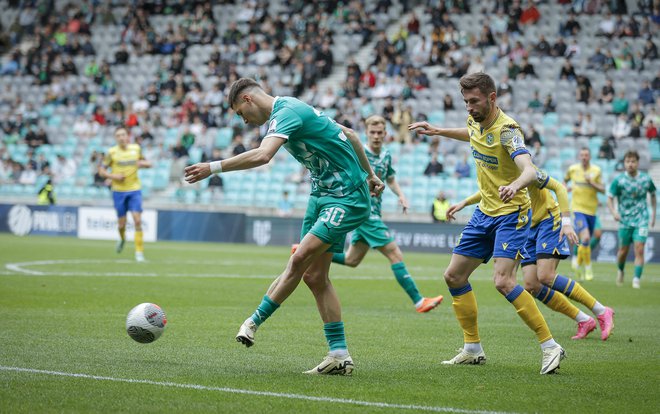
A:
[507,192]
[568,231]
[423,128]
[452,210]
[143,164]
[404,204]
[197,172]
[376,186]
[617,216]
[118,177]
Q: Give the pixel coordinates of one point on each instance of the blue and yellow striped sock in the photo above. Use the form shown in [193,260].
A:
[334,334]
[406,281]
[638,271]
[465,307]
[339,258]
[529,312]
[557,302]
[264,310]
[573,290]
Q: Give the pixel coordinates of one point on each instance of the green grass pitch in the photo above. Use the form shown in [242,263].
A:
[63,304]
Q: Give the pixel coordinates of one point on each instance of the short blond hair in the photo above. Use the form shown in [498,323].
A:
[375,120]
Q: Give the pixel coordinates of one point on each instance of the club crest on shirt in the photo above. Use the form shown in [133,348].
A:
[489,139]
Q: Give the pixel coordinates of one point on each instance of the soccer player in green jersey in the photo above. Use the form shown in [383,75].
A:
[630,189]
[373,233]
[342,181]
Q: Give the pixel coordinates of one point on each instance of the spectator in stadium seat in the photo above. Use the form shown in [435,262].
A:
[650,50]
[587,126]
[559,48]
[571,27]
[434,167]
[597,60]
[646,94]
[526,69]
[535,104]
[542,48]
[620,103]
[284,206]
[651,130]
[462,169]
[530,14]
[621,127]
[607,93]
[583,91]
[401,118]
[567,71]
[636,113]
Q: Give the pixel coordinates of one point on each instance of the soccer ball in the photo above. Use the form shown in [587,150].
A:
[145,323]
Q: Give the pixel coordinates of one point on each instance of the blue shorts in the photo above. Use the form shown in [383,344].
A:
[584,221]
[502,236]
[127,201]
[543,242]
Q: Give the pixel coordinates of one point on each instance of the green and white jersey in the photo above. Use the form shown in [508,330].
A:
[319,144]
[382,166]
[631,196]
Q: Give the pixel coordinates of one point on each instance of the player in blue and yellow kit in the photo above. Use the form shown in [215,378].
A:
[587,182]
[500,225]
[546,246]
[630,189]
[342,181]
[373,233]
[121,165]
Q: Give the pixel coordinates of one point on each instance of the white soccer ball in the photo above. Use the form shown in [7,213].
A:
[146,322]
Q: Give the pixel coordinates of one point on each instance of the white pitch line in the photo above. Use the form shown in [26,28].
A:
[252,392]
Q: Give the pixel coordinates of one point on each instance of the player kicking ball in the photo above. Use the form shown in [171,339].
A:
[342,181]
[546,246]
[373,233]
[630,189]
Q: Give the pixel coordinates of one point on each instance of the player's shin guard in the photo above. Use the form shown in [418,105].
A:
[465,307]
[139,241]
[264,310]
[122,233]
[573,290]
[406,281]
[557,302]
[339,258]
[334,334]
[587,255]
[529,312]
[581,255]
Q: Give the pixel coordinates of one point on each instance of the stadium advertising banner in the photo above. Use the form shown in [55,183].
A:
[21,220]
[100,223]
[201,226]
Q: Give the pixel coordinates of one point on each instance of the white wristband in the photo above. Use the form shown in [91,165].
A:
[216,167]
[566,221]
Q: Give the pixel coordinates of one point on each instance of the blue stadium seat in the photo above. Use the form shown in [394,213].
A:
[224,137]
[550,120]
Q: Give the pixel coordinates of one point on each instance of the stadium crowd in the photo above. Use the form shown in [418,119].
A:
[72,72]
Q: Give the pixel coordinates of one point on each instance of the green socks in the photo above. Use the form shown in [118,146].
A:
[406,281]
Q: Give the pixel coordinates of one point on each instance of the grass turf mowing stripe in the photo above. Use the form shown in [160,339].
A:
[251,392]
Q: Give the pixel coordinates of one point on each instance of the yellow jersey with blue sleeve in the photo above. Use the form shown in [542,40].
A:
[585,196]
[124,162]
[493,150]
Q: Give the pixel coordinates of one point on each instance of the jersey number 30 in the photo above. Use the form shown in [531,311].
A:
[333,215]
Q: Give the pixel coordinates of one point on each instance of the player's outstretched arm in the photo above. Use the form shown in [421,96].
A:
[473,199]
[424,128]
[562,199]
[103,172]
[528,175]
[142,163]
[654,207]
[394,186]
[612,207]
[376,186]
[245,161]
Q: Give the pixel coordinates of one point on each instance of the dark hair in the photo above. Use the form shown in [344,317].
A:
[631,154]
[479,80]
[239,86]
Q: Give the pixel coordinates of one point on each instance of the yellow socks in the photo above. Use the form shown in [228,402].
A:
[573,290]
[139,242]
[557,302]
[465,307]
[529,312]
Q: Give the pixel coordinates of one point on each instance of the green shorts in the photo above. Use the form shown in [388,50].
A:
[331,218]
[373,232]
[628,234]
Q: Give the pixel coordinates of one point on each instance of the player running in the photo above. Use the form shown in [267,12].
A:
[587,183]
[124,160]
[500,225]
[630,189]
[342,180]
[546,246]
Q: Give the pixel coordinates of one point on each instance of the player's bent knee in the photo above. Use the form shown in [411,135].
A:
[315,280]
[503,283]
[452,278]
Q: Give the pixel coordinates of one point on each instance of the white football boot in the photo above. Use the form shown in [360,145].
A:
[333,366]
[246,333]
[551,359]
[467,358]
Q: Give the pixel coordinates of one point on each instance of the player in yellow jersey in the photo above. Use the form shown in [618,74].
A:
[546,246]
[500,225]
[121,165]
[587,182]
